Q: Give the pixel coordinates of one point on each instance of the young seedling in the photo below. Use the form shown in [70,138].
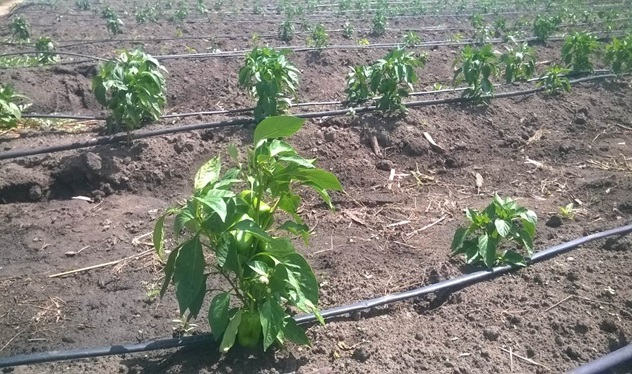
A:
[231,229]
[10,110]
[286,31]
[568,211]
[319,37]
[270,78]
[378,24]
[83,4]
[519,63]
[619,54]
[181,13]
[411,39]
[46,48]
[347,30]
[502,224]
[577,50]
[390,78]
[20,29]
[112,22]
[133,87]
[544,27]
[554,80]
[477,66]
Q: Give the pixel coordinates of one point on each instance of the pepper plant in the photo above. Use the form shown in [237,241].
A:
[286,31]
[378,24]
[46,50]
[411,39]
[477,66]
[20,29]
[83,4]
[619,54]
[390,79]
[347,30]
[271,78]
[319,37]
[544,27]
[519,63]
[554,79]
[10,110]
[112,21]
[133,87]
[232,216]
[576,52]
[491,231]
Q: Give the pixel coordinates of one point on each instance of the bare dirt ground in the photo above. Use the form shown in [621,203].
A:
[559,314]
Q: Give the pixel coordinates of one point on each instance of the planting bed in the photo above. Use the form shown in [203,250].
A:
[385,236]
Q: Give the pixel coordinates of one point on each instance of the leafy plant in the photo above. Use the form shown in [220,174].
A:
[577,50]
[411,39]
[181,13]
[147,13]
[390,78]
[554,79]
[201,7]
[319,37]
[286,31]
[363,42]
[133,87]
[83,4]
[543,27]
[358,89]
[265,273]
[46,50]
[378,24]
[500,26]
[347,30]
[519,63]
[501,224]
[568,211]
[271,78]
[112,21]
[619,54]
[20,29]
[477,66]
[10,111]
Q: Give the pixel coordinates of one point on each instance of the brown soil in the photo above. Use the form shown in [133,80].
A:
[560,313]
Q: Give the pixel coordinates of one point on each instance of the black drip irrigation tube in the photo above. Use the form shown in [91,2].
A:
[246,121]
[603,364]
[449,285]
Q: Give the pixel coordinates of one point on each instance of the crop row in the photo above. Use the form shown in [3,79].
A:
[133,86]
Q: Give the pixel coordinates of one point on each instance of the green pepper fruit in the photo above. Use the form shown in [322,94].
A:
[249,331]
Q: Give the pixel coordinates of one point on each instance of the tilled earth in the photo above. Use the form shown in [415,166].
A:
[385,236]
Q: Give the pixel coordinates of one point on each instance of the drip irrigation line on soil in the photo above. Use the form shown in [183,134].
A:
[79,42]
[446,286]
[603,364]
[105,140]
[246,110]
[54,53]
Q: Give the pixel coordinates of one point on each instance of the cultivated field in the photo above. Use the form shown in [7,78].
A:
[82,185]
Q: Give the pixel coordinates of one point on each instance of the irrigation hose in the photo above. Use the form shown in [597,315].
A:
[236,122]
[449,285]
[603,364]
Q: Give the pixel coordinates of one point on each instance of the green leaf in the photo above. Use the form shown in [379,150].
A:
[231,332]
[252,228]
[294,332]
[487,250]
[218,317]
[215,204]
[272,317]
[233,152]
[208,173]
[459,237]
[159,236]
[318,177]
[303,273]
[169,268]
[196,304]
[189,272]
[277,127]
[298,160]
[514,258]
[503,227]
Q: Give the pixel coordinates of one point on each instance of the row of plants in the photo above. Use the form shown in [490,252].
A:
[132,86]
